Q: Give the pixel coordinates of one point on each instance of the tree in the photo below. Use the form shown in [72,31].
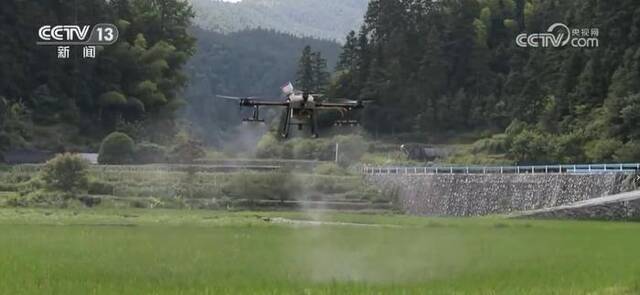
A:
[320,74]
[305,76]
[116,148]
[137,79]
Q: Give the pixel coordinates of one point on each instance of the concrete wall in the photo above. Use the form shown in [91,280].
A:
[473,195]
[624,206]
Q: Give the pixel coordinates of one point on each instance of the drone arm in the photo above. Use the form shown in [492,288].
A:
[254,102]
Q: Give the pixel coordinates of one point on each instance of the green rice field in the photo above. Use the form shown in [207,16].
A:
[138,251]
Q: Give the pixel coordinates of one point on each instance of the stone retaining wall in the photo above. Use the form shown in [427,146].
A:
[618,207]
[474,195]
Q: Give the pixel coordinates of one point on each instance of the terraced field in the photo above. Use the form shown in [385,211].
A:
[197,187]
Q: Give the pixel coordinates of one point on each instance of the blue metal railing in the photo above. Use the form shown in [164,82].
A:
[536,169]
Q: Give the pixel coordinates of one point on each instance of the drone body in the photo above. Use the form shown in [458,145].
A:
[300,108]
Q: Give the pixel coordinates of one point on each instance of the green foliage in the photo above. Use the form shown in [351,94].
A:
[92,98]
[388,158]
[630,152]
[187,152]
[447,67]
[306,81]
[530,147]
[312,75]
[97,187]
[150,153]
[599,151]
[351,149]
[497,144]
[330,169]
[269,147]
[66,172]
[112,99]
[263,186]
[116,148]
[305,149]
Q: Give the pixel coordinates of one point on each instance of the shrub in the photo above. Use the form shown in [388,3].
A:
[530,147]
[497,144]
[90,201]
[630,152]
[262,186]
[269,147]
[150,153]
[66,172]
[304,150]
[330,169]
[100,188]
[569,148]
[116,148]
[602,150]
[351,149]
[187,152]
[112,98]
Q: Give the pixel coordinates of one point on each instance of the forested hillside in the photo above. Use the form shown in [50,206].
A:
[51,103]
[447,67]
[247,63]
[327,19]
[436,69]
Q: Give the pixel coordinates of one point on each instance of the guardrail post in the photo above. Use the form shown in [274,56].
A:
[501,170]
[450,170]
[518,169]
[546,169]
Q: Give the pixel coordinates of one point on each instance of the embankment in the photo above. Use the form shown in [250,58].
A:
[486,194]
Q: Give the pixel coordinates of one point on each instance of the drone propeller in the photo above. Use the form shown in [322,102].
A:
[237,98]
[351,101]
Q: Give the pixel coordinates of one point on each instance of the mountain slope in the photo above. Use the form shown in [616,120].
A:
[327,19]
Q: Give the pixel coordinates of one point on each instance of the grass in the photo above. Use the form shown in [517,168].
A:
[203,252]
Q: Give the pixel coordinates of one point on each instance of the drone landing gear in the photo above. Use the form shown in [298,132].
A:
[255,117]
[286,125]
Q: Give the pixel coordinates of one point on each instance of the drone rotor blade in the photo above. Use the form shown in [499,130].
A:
[244,97]
[229,97]
[342,100]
